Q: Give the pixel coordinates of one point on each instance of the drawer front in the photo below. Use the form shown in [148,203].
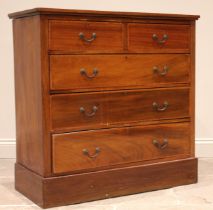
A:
[105,148]
[85,36]
[86,72]
[95,110]
[78,111]
[158,38]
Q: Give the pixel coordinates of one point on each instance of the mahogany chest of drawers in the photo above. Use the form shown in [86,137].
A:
[104,103]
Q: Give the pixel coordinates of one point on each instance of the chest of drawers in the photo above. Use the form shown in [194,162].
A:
[104,103]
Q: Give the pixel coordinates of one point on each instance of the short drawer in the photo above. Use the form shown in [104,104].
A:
[158,38]
[105,148]
[85,36]
[86,72]
[95,110]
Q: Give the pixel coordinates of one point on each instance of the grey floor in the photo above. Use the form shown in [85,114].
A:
[191,197]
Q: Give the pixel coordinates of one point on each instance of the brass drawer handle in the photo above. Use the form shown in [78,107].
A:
[96,153]
[92,113]
[163,72]
[160,108]
[160,146]
[83,72]
[160,41]
[82,37]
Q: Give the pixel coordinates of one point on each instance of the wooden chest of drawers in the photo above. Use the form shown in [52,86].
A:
[104,103]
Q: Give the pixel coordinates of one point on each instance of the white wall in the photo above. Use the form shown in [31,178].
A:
[204,77]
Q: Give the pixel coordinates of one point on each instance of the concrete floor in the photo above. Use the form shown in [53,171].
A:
[191,197]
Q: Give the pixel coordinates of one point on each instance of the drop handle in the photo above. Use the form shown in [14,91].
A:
[160,108]
[158,40]
[83,72]
[159,145]
[83,38]
[89,114]
[94,155]
[163,72]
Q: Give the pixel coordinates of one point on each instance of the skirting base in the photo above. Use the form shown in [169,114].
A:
[64,190]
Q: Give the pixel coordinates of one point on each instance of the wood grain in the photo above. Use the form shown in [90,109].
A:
[98,14]
[117,107]
[192,89]
[29,184]
[107,183]
[64,35]
[118,146]
[53,100]
[28,91]
[45,77]
[140,38]
[117,71]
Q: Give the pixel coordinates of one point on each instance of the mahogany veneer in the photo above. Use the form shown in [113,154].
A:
[63,35]
[116,107]
[104,103]
[118,147]
[139,38]
[117,71]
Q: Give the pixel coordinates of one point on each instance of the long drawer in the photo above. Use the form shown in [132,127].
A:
[86,72]
[85,36]
[104,148]
[158,38]
[95,110]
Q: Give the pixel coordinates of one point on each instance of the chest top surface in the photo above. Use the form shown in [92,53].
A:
[92,13]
